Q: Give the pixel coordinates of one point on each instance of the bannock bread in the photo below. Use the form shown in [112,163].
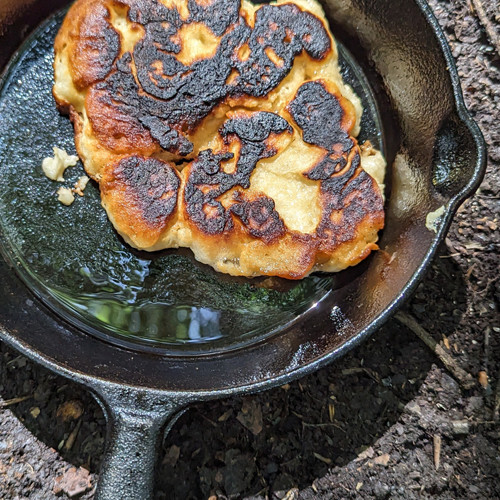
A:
[224,127]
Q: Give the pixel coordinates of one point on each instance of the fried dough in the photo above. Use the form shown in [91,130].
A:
[224,127]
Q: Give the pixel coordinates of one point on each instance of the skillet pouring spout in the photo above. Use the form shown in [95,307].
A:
[397,59]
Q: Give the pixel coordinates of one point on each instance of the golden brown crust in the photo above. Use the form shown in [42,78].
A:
[115,129]
[92,43]
[141,193]
[252,97]
[348,194]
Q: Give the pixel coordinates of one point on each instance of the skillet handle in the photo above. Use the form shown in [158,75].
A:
[135,429]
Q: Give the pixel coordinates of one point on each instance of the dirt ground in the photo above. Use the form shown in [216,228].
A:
[387,421]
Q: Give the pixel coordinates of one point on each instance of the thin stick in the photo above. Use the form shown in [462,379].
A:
[72,437]
[488,25]
[359,369]
[13,401]
[437,450]
[465,379]
[486,351]
[305,424]
[496,408]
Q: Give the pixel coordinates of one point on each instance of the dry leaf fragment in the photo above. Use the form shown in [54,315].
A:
[70,410]
[368,453]
[225,415]
[250,416]
[492,224]
[172,455]
[34,412]
[483,379]
[73,482]
[382,459]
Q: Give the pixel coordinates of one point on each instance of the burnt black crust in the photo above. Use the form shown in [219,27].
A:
[218,16]
[101,39]
[259,217]
[345,187]
[170,98]
[207,181]
[153,186]
[319,114]
[287,30]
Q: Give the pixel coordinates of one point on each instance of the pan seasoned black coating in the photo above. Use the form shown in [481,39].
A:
[270,333]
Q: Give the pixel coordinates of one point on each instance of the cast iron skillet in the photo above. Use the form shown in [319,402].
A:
[438,159]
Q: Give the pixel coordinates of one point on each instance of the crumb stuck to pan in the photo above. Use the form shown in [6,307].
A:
[80,185]
[221,126]
[54,167]
[65,196]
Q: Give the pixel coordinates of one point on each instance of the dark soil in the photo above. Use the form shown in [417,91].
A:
[368,426]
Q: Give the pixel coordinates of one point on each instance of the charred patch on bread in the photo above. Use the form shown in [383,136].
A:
[117,124]
[259,217]
[347,200]
[280,34]
[207,181]
[169,99]
[142,190]
[95,48]
[218,15]
[321,117]
[348,194]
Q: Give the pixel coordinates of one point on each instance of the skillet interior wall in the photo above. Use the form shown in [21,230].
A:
[18,18]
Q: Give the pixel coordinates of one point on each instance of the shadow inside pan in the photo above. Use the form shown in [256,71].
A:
[72,258]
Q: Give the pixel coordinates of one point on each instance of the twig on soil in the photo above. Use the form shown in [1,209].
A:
[465,379]
[371,373]
[488,25]
[204,417]
[325,460]
[72,437]
[496,408]
[13,401]
[305,424]
[437,450]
